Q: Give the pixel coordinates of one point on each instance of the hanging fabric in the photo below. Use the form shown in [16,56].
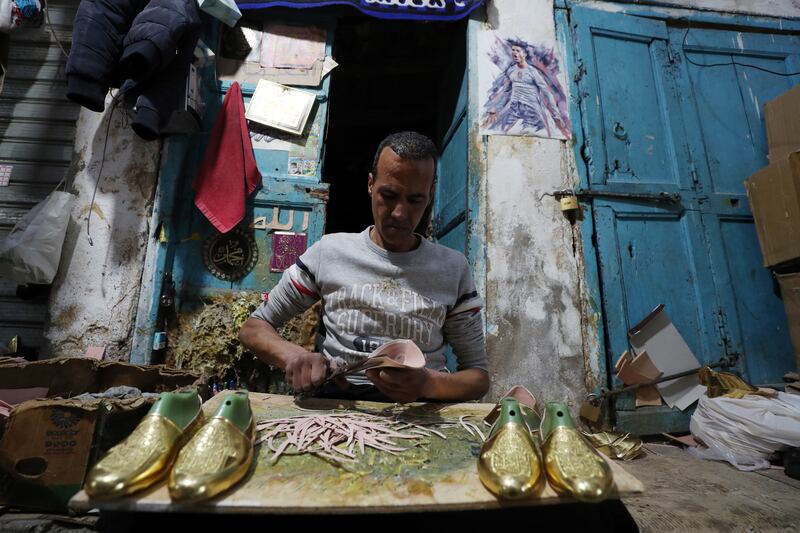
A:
[228,173]
[386,9]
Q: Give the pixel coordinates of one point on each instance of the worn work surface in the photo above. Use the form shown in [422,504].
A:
[689,494]
[439,476]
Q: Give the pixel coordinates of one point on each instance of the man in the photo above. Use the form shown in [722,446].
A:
[384,283]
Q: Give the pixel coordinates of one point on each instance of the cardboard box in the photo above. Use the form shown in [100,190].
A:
[48,445]
[774,195]
[782,117]
[790,290]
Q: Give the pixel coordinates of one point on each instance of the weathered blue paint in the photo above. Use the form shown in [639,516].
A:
[187,228]
[450,197]
[593,319]
[654,123]
[652,420]
[457,219]
[451,186]
[178,165]
[159,256]
[727,134]
[708,16]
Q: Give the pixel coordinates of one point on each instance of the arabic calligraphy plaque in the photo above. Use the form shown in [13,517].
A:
[230,256]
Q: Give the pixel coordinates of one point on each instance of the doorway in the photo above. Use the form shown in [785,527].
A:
[392,76]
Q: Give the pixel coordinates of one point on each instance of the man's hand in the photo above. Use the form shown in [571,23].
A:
[306,371]
[425,384]
[401,385]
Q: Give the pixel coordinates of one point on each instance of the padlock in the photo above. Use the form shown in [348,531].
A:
[590,411]
[569,203]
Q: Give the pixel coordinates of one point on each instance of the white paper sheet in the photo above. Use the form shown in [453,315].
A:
[671,355]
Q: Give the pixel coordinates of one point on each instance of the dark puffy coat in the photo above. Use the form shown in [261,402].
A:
[157,53]
[97,34]
[152,63]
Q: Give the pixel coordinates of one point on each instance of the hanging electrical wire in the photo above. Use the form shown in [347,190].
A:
[114,102]
[50,27]
[731,62]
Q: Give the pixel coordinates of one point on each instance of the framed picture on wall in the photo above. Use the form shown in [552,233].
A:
[281,107]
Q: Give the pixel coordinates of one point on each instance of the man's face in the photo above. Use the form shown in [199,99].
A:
[518,54]
[400,193]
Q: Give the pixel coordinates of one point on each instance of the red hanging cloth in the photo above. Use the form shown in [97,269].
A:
[229,173]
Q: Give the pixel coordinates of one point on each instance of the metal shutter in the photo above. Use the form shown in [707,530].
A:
[37,130]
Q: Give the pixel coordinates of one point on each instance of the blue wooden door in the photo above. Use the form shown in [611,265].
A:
[290,200]
[451,198]
[654,125]
[725,129]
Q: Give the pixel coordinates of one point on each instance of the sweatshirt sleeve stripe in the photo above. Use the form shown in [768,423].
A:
[471,311]
[465,297]
[467,302]
[302,290]
[305,269]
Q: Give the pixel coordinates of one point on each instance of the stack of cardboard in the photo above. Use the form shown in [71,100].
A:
[774,195]
[790,290]
[657,350]
[48,443]
[636,370]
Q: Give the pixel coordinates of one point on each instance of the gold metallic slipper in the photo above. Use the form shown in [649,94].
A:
[527,403]
[572,465]
[219,455]
[147,454]
[509,464]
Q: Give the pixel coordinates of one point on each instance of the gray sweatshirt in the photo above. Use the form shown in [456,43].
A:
[371,296]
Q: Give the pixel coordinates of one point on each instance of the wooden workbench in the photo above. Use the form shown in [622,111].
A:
[440,476]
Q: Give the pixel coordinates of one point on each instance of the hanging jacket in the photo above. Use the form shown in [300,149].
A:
[98,31]
[155,61]
[147,55]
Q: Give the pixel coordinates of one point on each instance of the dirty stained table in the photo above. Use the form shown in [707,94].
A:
[440,476]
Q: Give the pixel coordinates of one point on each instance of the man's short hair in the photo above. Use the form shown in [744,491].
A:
[407,145]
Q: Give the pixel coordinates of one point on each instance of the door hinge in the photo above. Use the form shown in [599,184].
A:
[693,172]
[670,57]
